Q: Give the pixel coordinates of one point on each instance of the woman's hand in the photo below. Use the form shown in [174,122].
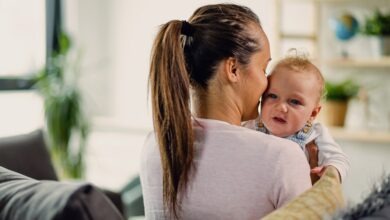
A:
[316,171]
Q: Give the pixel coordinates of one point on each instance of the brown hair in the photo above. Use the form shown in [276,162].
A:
[300,63]
[184,54]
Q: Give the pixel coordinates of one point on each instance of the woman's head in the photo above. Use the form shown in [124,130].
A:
[221,33]
[190,53]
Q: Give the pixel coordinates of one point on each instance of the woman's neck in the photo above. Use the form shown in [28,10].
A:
[216,105]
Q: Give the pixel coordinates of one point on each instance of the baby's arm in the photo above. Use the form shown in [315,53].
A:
[329,152]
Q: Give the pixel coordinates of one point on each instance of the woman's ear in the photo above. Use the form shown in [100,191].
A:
[231,70]
[315,112]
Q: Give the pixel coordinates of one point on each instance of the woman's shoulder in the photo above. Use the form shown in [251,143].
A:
[261,142]
[280,149]
[267,139]
[150,151]
[149,141]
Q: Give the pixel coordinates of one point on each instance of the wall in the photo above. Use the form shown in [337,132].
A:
[369,164]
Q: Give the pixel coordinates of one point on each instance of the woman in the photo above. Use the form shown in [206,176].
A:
[203,164]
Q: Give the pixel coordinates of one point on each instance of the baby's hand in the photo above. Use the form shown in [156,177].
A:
[318,170]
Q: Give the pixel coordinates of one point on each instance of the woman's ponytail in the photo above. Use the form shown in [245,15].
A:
[170,90]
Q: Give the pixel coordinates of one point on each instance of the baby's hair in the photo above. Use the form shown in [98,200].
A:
[299,62]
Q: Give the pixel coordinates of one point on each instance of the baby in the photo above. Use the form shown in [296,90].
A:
[289,107]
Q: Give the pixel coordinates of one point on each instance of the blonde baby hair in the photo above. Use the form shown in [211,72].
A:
[299,62]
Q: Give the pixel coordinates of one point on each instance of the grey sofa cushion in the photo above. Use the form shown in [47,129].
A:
[27,154]
[24,198]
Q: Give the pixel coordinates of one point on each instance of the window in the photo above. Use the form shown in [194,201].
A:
[23,38]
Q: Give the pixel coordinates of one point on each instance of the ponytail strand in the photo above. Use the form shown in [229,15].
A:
[170,90]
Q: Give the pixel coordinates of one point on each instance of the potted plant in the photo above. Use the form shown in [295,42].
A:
[377,27]
[66,122]
[337,97]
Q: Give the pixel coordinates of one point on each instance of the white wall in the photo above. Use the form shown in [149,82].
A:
[369,164]
[89,24]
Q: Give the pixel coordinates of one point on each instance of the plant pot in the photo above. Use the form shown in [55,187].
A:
[334,112]
[380,46]
[385,45]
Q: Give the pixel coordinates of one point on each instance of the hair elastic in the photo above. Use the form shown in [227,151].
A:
[186,28]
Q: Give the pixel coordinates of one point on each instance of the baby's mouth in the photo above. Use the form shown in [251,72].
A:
[279,120]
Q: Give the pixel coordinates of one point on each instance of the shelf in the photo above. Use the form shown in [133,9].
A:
[298,36]
[360,135]
[369,62]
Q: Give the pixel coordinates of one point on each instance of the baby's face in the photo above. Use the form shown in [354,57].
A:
[291,99]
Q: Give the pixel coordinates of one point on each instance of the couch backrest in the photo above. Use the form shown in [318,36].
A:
[27,154]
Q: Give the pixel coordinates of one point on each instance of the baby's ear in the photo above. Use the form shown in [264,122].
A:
[315,112]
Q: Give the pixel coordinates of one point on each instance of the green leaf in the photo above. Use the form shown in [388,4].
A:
[341,91]
[377,24]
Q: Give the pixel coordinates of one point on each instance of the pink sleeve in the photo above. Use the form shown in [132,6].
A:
[292,175]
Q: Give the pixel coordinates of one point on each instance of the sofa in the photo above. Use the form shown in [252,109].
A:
[28,155]
[22,197]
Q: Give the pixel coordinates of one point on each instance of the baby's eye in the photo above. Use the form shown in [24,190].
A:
[272,96]
[295,102]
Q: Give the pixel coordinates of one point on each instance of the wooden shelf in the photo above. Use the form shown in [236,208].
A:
[298,36]
[369,62]
[340,133]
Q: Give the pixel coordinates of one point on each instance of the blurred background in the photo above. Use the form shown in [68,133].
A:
[107,48]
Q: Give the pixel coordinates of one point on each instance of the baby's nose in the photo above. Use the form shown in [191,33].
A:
[282,107]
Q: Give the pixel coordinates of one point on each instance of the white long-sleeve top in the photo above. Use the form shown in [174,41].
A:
[330,153]
[240,174]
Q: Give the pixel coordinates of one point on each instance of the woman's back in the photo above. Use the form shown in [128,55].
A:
[239,174]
